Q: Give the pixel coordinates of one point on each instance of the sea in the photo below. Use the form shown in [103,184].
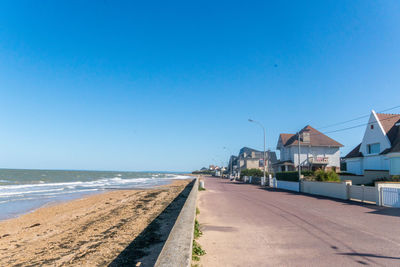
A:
[22,191]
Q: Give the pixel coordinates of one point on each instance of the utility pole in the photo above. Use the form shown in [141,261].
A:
[250,120]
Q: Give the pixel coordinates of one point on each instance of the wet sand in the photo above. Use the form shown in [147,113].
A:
[93,231]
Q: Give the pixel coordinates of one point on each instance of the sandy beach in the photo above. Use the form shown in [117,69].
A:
[97,230]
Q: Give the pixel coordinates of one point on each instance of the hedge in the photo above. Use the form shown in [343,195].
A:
[292,176]
[252,172]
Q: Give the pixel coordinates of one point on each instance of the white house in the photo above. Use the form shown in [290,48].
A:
[380,147]
[317,151]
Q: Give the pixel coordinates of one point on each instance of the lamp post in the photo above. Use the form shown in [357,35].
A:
[299,163]
[250,120]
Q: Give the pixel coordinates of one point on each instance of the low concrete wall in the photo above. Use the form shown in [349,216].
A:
[292,186]
[177,250]
[369,177]
[357,179]
[329,189]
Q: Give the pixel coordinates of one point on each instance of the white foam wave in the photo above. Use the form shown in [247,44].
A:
[115,182]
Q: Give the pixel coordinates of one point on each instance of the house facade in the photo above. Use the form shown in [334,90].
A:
[249,158]
[316,151]
[233,165]
[379,149]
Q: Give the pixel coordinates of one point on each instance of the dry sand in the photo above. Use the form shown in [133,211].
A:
[98,230]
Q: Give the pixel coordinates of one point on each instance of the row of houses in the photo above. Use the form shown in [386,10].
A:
[379,151]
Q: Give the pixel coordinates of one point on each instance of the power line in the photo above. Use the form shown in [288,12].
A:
[351,127]
[355,126]
[358,118]
[360,125]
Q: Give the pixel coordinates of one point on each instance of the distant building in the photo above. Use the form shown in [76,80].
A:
[233,165]
[379,150]
[317,151]
[249,158]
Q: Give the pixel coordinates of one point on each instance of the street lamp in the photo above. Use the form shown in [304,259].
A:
[250,120]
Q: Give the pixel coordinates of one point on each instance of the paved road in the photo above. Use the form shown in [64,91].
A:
[245,225]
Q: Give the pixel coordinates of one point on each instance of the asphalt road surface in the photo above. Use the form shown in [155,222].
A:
[246,225]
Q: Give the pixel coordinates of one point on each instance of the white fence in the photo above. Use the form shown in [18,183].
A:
[362,193]
[383,193]
[391,197]
[292,186]
[329,189]
[389,194]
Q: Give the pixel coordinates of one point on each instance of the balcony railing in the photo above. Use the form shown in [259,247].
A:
[318,160]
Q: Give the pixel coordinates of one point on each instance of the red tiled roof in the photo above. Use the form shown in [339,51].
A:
[285,138]
[316,138]
[388,122]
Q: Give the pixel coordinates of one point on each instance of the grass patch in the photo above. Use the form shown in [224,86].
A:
[197,231]
[201,188]
[197,251]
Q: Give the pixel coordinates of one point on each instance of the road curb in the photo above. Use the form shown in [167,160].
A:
[177,250]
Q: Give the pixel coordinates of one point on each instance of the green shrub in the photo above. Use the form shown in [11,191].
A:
[307,173]
[326,176]
[396,178]
[292,176]
[252,172]
[287,176]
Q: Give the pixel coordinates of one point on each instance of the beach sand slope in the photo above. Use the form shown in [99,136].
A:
[98,230]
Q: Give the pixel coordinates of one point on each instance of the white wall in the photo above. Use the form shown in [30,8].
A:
[377,162]
[355,166]
[336,190]
[292,186]
[376,135]
[394,166]
[333,154]
[285,153]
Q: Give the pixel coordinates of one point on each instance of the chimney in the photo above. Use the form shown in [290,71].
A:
[306,136]
[253,154]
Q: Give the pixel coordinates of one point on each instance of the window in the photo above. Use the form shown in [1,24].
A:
[374,148]
[372,126]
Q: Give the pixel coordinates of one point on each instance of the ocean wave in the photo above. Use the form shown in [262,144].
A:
[104,183]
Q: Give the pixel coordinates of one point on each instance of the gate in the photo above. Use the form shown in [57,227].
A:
[391,197]
[362,193]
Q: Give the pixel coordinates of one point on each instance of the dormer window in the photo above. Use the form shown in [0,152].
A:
[374,148]
[372,126]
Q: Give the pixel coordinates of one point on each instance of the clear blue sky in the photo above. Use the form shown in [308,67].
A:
[165,85]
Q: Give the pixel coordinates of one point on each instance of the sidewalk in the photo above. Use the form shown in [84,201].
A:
[245,225]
